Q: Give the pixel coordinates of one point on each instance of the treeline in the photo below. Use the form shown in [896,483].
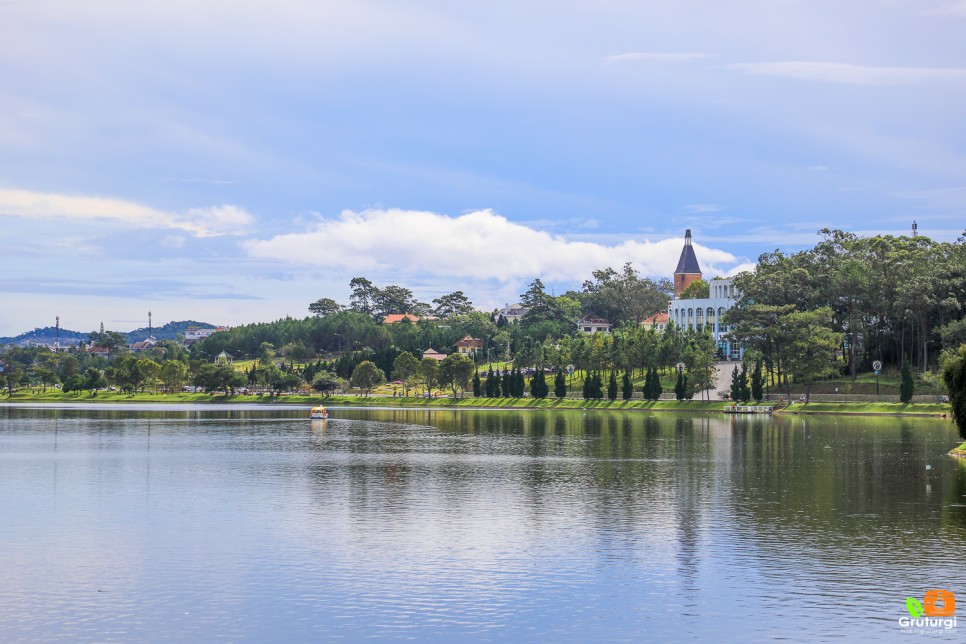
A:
[851,301]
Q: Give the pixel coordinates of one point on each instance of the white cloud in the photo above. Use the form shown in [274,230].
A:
[847,74]
[741,268]
[657,57]
[200,222]
[479,245]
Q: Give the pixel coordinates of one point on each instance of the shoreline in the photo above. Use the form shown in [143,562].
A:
[917,410]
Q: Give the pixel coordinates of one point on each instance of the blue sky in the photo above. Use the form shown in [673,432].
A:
[233,161]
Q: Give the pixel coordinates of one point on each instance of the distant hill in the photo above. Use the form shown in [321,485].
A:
[48,335]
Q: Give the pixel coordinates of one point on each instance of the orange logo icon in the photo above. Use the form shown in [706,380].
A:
[939,603]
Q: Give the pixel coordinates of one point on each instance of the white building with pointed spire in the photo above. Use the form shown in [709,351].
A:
[702,312]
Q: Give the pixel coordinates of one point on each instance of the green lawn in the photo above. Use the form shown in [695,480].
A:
[898,409]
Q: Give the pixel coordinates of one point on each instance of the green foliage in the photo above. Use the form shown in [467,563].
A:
[367,375]
[612,386]
[698,289]
[883,291]
[429,372]
[455,372]
[560,385]
[325,306]
[954,375]
[456,303]
[325,382]
[624,297]
[73,383]
[757,382]
[477,384]
[549,316]
[406,368]
[906,385]
[538,384]
[627,387]
[735,385]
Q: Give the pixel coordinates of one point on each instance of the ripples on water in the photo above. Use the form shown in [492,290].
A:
[120,524]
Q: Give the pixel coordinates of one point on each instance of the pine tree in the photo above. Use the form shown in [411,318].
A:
[521,385]
[757,382]
[679,387]
[544,389]
[745,393]
[477,385]
[906,385]
[560,385]
[627,388]
[587,385]
[612,386]
[507,384]
[648,385]
[658,390]
[735,385]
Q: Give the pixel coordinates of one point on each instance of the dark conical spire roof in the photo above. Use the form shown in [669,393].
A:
[688,262]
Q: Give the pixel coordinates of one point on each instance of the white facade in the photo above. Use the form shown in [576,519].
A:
[696,314]
[593,324]
[193,334]
[513,312]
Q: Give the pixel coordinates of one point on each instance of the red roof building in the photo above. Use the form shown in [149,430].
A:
[469,345]
[396,318]
[658,322]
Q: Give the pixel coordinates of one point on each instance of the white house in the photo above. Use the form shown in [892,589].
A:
[590,323]
[513,312]
[698,313]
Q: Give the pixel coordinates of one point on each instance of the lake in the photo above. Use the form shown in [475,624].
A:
[251,523]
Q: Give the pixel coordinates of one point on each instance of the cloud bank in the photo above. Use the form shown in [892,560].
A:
[200,222]
[476,245]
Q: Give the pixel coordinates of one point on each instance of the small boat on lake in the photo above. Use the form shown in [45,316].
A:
[319,413]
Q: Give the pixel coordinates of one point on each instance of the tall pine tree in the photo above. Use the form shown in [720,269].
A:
[560,385]
[906,384]
[627,388]
[757,382]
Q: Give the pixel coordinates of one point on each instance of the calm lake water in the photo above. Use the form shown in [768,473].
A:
[253,524]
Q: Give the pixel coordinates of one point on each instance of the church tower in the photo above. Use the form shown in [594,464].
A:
[688,270]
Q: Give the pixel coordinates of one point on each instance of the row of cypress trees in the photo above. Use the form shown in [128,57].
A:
[743,388]
[509,384]
[512,384]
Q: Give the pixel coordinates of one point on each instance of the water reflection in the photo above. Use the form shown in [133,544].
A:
[444,524]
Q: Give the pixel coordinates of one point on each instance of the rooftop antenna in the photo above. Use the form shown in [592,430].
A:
[57,334]
[915,228]
[149,324]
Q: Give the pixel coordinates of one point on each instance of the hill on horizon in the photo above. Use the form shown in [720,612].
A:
[48,335]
